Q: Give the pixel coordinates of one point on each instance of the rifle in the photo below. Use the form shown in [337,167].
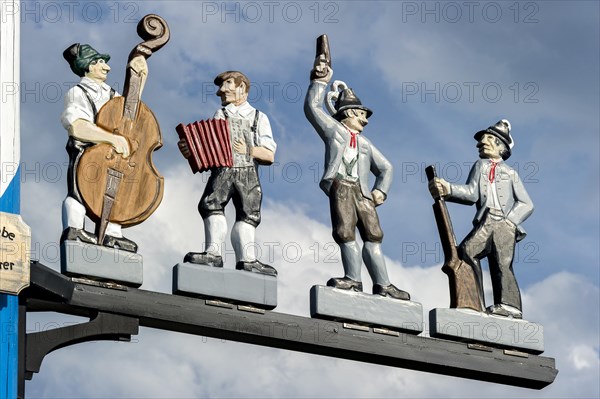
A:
[464,286]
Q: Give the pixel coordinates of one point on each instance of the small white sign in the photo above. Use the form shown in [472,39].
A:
[15,244]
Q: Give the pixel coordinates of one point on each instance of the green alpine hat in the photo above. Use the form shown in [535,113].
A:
[80,56]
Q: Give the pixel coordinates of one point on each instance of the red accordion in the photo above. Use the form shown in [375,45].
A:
[209,143]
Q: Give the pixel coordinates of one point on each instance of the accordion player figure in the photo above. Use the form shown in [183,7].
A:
[237,140]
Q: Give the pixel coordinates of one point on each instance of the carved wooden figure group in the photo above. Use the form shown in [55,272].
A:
[112,181]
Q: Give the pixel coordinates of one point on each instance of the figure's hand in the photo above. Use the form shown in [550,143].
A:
[378,197]
[439,187]
[184,149]
[321,71]
[121,145]
[139,65]
[240,147]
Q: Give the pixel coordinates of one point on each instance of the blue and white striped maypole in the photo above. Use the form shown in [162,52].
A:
[10,187]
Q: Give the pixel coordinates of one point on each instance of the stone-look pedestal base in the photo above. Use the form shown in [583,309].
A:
[78,259]
[237,286]
[470,326]
[336,304]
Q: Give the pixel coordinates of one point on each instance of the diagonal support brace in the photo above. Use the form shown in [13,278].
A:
[102,327]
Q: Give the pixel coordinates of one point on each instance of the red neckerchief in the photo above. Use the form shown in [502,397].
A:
[492,174]
[352,137]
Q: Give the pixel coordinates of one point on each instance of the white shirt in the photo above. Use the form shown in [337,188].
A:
[77,105]
[493,202]
[264,135]
[349,165]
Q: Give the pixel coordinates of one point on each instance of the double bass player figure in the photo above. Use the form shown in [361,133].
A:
[82,103]
[111,178]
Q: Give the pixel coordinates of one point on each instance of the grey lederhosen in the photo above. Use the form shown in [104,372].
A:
[494,237]
[351,210]
[241,185]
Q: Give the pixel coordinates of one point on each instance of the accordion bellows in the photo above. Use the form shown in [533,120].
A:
[209,143]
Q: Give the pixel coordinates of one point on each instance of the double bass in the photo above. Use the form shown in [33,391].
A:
[114,188]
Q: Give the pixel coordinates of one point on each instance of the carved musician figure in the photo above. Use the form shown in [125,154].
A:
[233,151]
[111,177]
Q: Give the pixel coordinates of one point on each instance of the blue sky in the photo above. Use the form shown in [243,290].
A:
[434,73]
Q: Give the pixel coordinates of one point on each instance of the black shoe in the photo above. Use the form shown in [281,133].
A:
[505,310]
[391,291]
[256,267]
[345,283]
[74,234]
[203,258]
[119,243]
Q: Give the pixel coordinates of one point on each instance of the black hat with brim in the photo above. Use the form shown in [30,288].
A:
[501,130]
[349,100]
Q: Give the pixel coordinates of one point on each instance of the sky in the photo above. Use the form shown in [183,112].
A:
[434,73]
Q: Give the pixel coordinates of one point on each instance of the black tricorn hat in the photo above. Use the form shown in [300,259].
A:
[80,56]
[501,130]
[348,100]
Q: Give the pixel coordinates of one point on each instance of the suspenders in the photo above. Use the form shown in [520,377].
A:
[91,101]
[254,127]
[255,124]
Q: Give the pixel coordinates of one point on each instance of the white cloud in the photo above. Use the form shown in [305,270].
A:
[584,357]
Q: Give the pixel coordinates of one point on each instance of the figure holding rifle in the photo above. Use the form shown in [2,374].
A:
[502,206]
